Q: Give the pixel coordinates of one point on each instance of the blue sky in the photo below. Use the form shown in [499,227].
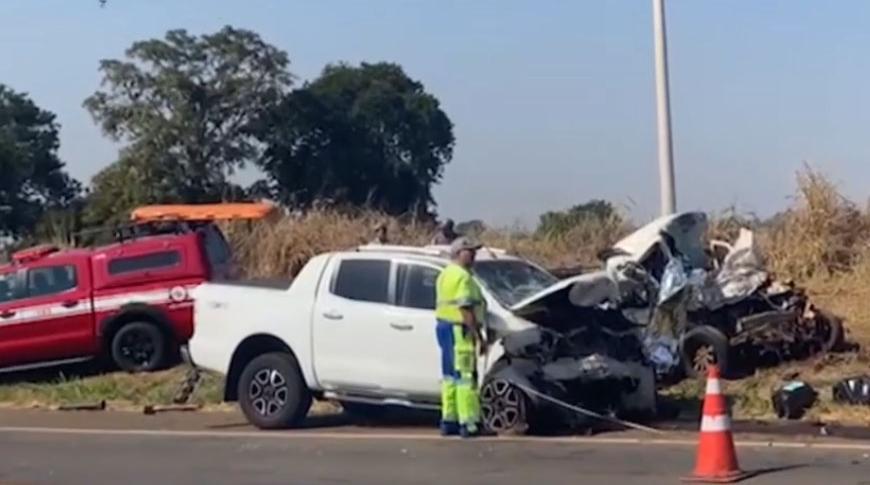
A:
[553,101]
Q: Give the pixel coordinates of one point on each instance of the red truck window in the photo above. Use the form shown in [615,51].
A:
[10,287]
[51,280]
[216,247]
[151,261]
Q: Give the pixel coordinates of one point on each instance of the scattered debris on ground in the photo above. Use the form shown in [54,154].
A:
[853,390]
[793,399]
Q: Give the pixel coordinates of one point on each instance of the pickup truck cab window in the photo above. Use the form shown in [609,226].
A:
[416,286]
[366,280]
[51,280]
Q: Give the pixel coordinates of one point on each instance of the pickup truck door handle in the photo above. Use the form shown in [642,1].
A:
[70,304]
[7,314]
[404,327]
[333,316]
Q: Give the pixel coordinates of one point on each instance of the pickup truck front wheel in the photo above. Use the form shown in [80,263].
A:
[504,408]
[272,393]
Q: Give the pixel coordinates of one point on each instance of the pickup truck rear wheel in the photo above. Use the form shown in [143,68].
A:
[272,393]
[139,347]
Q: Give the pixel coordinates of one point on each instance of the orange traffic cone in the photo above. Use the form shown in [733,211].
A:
[717,460]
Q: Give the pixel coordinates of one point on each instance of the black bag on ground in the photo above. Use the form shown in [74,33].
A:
[853,390]
[793,399]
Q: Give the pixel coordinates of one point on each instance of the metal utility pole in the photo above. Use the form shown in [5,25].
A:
[663,112]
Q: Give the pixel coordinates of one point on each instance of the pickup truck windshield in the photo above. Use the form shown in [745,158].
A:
[511,281]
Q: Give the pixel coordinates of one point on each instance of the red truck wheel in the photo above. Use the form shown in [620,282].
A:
[139,347]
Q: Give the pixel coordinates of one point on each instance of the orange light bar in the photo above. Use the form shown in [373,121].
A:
[202,212]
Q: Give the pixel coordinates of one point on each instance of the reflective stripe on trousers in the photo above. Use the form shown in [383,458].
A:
[459,398]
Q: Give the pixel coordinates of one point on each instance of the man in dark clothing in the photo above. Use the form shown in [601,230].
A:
[445,235]
[380,234]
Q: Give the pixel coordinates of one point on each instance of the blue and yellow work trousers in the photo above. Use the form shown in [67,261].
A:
[460,402]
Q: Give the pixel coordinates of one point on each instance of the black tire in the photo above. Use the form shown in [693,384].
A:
[702,346]
[139,347]
[831,331]
[272,393]
[504,408]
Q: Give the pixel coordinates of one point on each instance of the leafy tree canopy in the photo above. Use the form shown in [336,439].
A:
[365,135]
[555,223]
[32,177]
[185,105]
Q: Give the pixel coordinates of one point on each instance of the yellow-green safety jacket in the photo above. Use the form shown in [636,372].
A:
[455,289]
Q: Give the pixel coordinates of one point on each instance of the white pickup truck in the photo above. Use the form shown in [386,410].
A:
[359,327]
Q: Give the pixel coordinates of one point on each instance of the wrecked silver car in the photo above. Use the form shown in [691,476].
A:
[702,305]
[551,352]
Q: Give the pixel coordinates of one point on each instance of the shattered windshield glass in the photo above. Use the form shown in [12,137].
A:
[511,281]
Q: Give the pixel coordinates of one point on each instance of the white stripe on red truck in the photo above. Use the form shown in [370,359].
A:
[101,304]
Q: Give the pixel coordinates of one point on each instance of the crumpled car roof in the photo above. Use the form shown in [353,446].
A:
[685,229]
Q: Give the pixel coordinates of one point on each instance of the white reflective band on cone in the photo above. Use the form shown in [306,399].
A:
[715,424]
[713,387]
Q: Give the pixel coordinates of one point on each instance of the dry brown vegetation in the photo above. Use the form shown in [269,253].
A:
[280,247]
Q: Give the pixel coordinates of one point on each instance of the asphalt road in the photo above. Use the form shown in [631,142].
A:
[223,456]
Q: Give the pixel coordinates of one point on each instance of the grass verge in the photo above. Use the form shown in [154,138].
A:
[120,390]
[750,398]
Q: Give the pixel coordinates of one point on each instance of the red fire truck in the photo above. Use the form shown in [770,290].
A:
[128,301]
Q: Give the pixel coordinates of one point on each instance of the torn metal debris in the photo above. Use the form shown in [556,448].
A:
[793,399]
[853,391]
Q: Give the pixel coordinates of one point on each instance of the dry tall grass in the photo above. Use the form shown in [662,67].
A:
[279,248]
[822,235]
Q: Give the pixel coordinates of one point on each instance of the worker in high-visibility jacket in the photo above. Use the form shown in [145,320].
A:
[460,315]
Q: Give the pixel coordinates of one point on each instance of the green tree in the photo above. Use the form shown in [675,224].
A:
[135,180]
[555,223]
[362,136]
[32,177]
[185,104]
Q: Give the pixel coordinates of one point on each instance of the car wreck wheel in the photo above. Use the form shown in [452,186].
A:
[830,331]
[703,347]
[504,408]
[704,357]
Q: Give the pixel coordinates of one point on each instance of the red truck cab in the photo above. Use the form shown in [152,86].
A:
[129,300]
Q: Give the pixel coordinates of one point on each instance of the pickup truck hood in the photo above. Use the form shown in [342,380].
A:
[585,290]
[575,303]
[549,293]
